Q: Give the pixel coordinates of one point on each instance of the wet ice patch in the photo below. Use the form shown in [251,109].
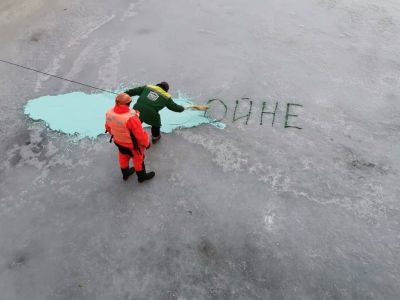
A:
[83,115]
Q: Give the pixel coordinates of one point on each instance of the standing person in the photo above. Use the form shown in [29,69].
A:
[132,140]
[153,98]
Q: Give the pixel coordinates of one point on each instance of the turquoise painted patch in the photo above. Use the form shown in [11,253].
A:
[83,114]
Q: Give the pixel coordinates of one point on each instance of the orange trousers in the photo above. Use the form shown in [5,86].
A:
[136,156]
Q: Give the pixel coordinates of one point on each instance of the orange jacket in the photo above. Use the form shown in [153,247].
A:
[121,122]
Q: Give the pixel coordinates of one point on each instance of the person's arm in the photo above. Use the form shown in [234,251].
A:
[171,105]
[135,126]
[135,91]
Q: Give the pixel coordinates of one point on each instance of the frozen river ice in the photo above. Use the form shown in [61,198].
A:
[249,212]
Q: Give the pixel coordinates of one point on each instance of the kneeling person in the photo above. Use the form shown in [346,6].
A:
[124,125]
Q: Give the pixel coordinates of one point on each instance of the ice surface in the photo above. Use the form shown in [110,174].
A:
[82,114]
[249,212]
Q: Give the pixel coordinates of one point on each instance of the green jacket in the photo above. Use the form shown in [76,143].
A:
[151,100]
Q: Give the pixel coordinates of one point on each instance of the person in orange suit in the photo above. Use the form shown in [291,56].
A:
[132,140]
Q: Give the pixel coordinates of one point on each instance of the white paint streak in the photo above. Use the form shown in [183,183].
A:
[55,65]
[108,72]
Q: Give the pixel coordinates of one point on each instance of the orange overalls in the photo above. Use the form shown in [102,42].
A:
[124,125]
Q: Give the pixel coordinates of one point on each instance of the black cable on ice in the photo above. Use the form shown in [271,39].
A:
[55,76]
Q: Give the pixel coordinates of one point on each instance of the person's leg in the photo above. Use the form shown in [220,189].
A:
[155,131]
[124,155]
[124,164]
[127,172]
[138,161]
[123,160]
[155,134]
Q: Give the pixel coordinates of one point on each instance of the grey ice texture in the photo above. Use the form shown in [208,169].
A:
[249,212]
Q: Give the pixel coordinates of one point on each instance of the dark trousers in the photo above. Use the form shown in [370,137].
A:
[155,131]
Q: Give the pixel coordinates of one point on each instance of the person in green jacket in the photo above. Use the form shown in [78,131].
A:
[153,98]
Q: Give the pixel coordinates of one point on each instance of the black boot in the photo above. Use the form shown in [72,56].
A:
[155,139]
[143,176]
[126,172]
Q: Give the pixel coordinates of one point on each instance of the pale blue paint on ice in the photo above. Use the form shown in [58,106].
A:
[83,114]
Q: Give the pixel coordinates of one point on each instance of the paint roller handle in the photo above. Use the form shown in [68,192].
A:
[197,107]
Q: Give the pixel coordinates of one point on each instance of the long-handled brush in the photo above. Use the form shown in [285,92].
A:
[198,107]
